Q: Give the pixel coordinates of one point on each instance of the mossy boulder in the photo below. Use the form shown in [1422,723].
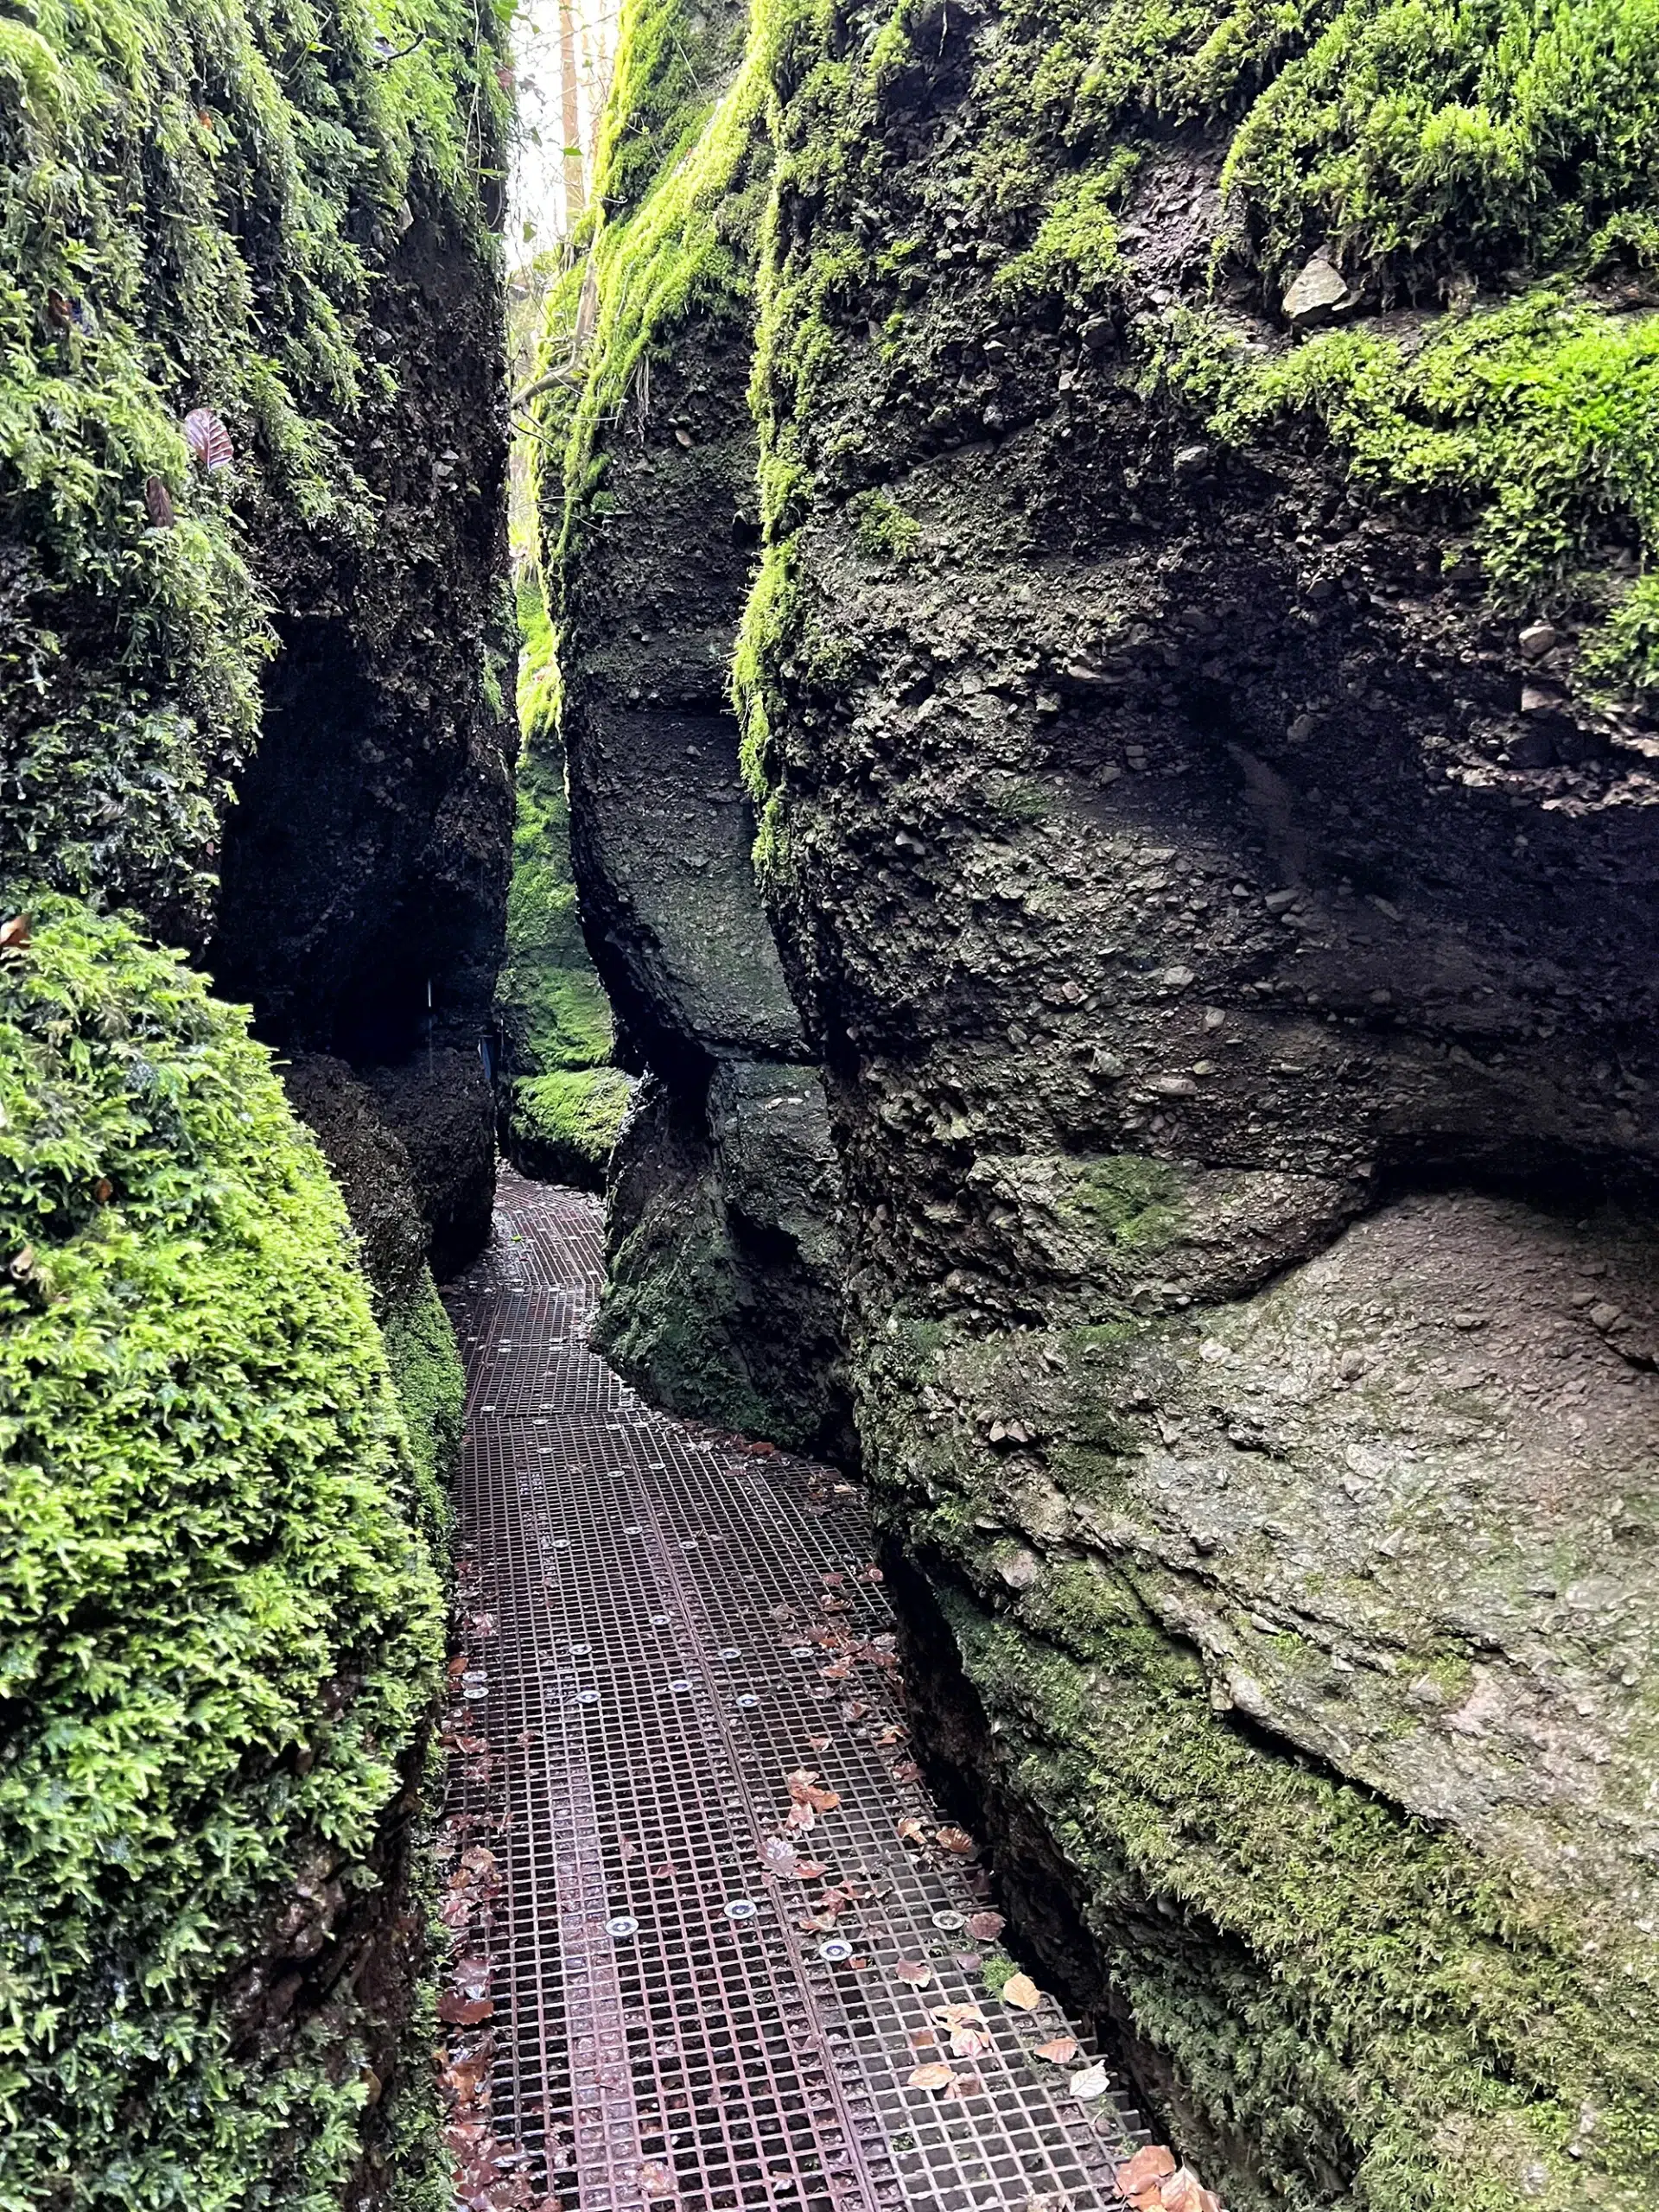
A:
[1197,702]
[219,1616]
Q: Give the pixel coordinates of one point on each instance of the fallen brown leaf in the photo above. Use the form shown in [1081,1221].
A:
[1022,1992]
[971,2043]
[936,2076]
[985,1927]
[911,1830]
[1151,2162]
[956,1840]
[912,1971]
[464,2011]
[1060,2052]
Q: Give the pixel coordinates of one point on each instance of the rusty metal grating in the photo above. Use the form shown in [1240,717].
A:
[668,1627]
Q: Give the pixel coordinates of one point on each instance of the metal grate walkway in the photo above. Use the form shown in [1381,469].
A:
[697,1966]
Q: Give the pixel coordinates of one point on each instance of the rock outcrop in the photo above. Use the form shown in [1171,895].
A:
[250,363]
[1197,715]
[724,1290]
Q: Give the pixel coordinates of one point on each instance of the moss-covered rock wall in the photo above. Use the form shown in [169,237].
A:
[220,1611]
[251,706]
[1199,704]
[723,1296]
[565,1097]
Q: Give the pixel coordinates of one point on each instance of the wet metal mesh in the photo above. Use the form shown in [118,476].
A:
[671,1626]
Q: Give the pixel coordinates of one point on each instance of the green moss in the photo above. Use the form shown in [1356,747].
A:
[568,1119]
[220,1624]
[565,1101]
[1139,1203]
[194,202]
[1426,145]
[996,1971]
[1359,1993]
[431,1386]
[884,530]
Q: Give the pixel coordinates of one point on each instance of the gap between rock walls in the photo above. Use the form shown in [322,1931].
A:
[994,665]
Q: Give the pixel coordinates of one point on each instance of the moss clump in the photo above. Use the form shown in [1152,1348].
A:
[565,1100]
[885,530]
[195,201]
[431,1386]
[568,1121]
[220,1623]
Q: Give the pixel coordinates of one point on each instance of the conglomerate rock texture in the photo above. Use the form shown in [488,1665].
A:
[1195,695]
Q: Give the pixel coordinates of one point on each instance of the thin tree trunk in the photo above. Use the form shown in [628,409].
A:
[575,168]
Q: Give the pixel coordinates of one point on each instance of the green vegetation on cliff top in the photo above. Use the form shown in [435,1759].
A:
[1491,164]
[219,1622]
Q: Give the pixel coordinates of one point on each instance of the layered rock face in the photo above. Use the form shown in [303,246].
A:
[723,1298]
[363,883]
[1194,696]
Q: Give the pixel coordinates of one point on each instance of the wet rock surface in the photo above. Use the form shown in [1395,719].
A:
[364,877]
[725,1274]
[1220,906]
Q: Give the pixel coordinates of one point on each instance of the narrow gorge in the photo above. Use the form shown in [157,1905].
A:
[1054,798]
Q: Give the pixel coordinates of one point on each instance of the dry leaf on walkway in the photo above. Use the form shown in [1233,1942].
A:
[888,1736]
[912,1971]
[464,2011]
[985,1927]
[1022,1992]
[838,1673]
[818,1743]
[778,1855]
[971,2043]
[958,2016]
[808,1870]
[804,1788]
[818,1923]
[1182,2192]
[1093,2081]
[1150,2164]
[957,1840]
[937,2076]
[965,2085]
[906,1770]
[800,1816]
[1060,2052]
[912,1831]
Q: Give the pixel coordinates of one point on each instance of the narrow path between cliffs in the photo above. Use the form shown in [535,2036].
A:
[714,1948]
